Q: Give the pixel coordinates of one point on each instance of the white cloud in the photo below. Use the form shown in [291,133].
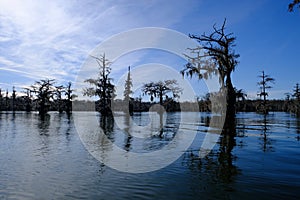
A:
[51,39]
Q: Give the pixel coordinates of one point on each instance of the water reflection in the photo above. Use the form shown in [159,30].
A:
[219,164]
[227,169]
[265,128]
[298,128]
[128,138]
[43,124]
[143,132]
[53,167]
[107,125]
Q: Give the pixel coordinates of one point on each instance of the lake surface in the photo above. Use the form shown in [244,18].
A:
[46,158]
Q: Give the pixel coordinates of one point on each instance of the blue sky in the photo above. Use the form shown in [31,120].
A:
[53,39]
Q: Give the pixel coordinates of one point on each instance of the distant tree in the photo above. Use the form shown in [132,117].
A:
[240,99]
[296,92]
[1,99]
[296,96]
[264,86]
[161,89]
[128,91]
[287,96]
[6,100]
[128,86]
[14,99]
[58,93]
[287,102]
[28,99]
[104,88]
[240,94]
[69,97]
[295,3]
[44,89]
[219,57]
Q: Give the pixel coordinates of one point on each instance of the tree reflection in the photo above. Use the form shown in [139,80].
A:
[43,124]
[219,163]
[226,168]
[128,138]
[298,128]
[164,128]
[107,125]
[267,142]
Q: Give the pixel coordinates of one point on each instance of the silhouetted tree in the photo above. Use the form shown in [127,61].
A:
[218,57]
[69,97]
[296,92]
[44,90]
[240,94]
[6,101]
[162,88]
[294,4]
[240,98]
[264,86]
[14,99]
[104,88]
[59,102]
[128,92]
[1,99]
[128,86]
[28,99]
[296,95]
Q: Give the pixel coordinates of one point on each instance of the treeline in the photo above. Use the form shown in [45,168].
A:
[42,96]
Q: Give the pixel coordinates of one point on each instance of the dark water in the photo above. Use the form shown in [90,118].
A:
[45,159]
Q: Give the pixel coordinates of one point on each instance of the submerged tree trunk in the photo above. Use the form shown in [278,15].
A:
[230,107]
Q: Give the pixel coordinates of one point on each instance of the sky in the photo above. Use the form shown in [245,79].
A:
[55,39]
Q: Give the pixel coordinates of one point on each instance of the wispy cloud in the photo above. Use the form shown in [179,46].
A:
[51,39]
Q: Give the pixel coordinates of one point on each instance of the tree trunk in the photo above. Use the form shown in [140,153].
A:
[230,107]
[160,98]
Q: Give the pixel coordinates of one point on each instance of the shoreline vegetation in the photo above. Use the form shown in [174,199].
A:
[275,105]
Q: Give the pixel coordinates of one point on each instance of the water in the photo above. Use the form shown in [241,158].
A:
[45,159]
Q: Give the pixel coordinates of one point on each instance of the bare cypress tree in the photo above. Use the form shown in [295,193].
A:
[218,57]
[103,87]
[264,86]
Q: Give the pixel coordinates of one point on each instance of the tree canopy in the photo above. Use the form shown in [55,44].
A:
[162,88]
